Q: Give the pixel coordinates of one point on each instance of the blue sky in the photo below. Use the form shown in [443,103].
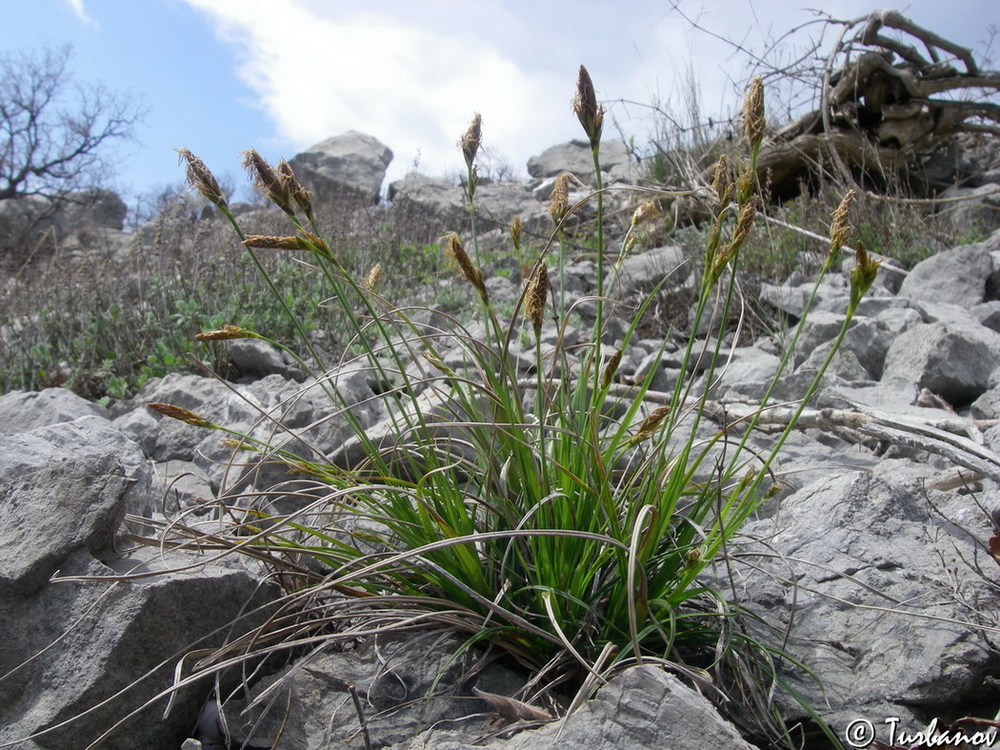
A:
[220,76]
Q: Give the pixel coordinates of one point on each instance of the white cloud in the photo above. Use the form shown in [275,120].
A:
[413,73]
[320,70]
[77,7]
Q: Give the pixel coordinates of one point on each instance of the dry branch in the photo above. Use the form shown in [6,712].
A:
[879,110]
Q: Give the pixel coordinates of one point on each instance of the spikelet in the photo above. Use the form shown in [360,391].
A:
[373,277]
[201,179]
[650,423]
[269,182]
[536,295]
[472,139]
[240,445]
[588,111]
[226,333]
[754,124]
[301,196]
[515,233]
[722,181]
[273,242]
[456,253]
[439,364]
[181,414]
[744,223]
[611,368]
[301,241]
[840,226]
[647,211]
[863,274]
[559,200]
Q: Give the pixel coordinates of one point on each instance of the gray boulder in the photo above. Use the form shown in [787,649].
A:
[79,447]
[960,276]
[953,361]
[875,583]
[408,682]
[576,158]
[69,646]
[103,649]
[430,206]
[642,708]
[257,359]
[349,164]
[978,211]
[21,411]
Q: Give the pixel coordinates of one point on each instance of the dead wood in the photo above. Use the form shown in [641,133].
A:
[880,110]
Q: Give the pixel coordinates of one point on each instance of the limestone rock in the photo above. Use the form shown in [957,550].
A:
[21,411]
[576,158]
[351,163]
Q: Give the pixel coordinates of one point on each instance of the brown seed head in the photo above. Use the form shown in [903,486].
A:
[559,200]
[588,111]
[271,242]
[722,181]
[744,223]
[472,139]
[611,368]
[201,179]
[301,196]
[744,185]
[650,423]
[456,253]
[645,212]
[536,296]
[225,333]
[181,414]
[863,275]
[302,241]
[269,182]
[754,124]
[515,233]
[374,276]
[840,226]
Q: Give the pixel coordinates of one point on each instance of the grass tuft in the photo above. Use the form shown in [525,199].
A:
[552,513]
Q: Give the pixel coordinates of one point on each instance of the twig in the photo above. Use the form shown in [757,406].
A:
[361,715]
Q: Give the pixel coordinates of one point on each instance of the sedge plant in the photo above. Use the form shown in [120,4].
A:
[550,512]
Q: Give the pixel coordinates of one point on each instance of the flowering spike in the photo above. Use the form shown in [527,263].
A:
[559,200]
[535,297]
[754,124]
[472,139]
[588,111]
[456,253]
[301,196]
[226,333]
[201,179]
[180,413]
[840,226]
[274,186]
[863,275]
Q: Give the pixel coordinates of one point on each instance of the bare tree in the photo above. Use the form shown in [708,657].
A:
[55,133]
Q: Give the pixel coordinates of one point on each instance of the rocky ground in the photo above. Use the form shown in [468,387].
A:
[872,568]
